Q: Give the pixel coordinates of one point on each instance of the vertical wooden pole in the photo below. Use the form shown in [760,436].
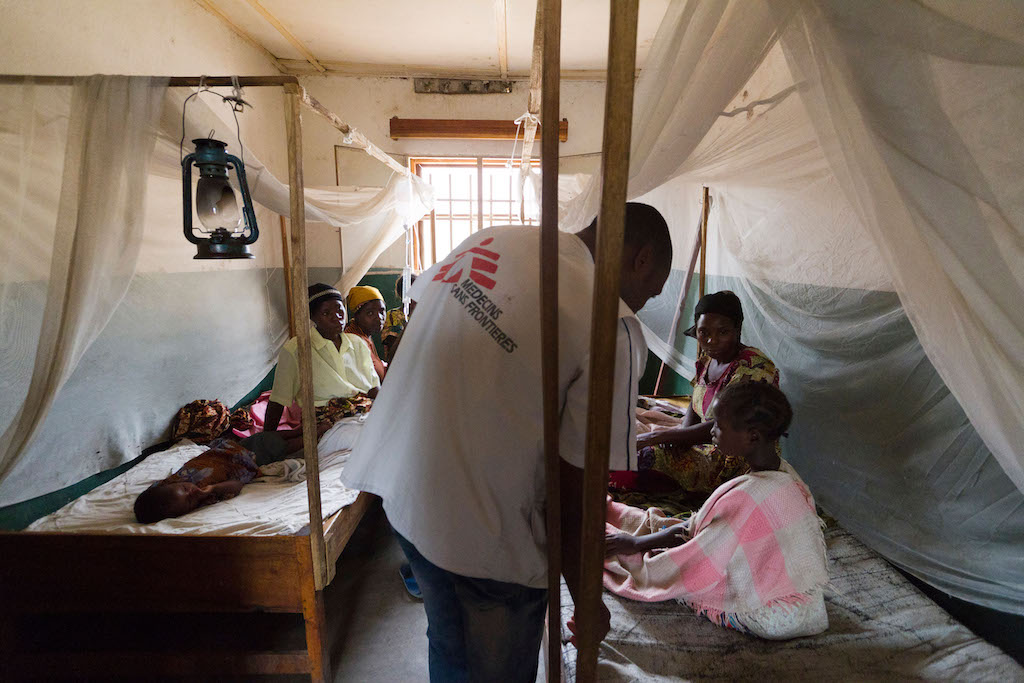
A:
[550,85]
[480,192]
[684,291]
[433,237]
[618,121]
[704,245]
[300,284]
[287,268]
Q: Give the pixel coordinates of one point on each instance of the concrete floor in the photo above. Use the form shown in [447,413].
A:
[378,632]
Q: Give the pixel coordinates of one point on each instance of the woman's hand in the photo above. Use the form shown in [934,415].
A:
[650,439]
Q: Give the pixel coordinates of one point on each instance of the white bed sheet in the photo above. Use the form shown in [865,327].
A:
[265,507]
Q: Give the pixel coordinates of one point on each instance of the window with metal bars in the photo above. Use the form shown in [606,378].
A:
[470,193]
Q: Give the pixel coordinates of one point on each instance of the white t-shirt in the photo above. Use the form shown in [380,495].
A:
[454,442]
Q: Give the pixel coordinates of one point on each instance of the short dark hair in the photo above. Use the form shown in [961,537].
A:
[151,505]
[756,405]
[646,226]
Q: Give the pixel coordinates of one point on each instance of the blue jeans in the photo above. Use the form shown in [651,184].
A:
[478,630]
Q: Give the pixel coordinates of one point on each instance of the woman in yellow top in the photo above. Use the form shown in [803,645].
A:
[342,365]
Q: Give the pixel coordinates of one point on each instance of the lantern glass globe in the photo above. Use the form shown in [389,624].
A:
[217,205]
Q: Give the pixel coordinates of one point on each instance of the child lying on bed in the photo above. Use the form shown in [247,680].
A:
[215,475]
[753,557]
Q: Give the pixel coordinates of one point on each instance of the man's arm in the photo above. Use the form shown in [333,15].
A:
[571,480]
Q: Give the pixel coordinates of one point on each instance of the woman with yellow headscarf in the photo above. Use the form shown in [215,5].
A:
[366,318]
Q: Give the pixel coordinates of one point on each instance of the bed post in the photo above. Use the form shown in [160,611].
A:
[618,118]
[286,268]
[300,283]
[702,230]
[549,19]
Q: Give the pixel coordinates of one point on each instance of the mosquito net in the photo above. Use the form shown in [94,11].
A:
[107,325]
[864,161]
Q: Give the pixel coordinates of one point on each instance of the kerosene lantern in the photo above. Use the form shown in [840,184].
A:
[227,230]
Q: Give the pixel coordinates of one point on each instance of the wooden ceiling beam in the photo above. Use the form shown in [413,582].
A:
[533,101]
[462,129]
[300,67]
[240,32]
[501,24]
[298,44]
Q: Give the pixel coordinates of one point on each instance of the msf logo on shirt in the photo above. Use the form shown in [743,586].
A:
[483,261]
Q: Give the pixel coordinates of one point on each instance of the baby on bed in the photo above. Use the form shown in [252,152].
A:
[753,557]
[215,475]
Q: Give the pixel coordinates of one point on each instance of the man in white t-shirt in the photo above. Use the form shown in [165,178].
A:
[454,443]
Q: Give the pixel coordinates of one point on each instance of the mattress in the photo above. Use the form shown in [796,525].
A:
[268,506]
[880,628]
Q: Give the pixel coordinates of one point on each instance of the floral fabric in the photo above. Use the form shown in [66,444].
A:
[704,468]
[201,421]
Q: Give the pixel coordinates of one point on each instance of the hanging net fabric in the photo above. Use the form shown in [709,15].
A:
[864,161]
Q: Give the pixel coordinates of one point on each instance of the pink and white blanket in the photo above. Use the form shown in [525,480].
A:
[757,542]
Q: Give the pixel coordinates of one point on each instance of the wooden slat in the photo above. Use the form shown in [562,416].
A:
[357,138]
[298,44]
[704,244]
[550,100]
[225,81]
[240,32]
[433,237]
[618,118]
[300,284]
[286,267]
[338,529]
[533,100]
[49,572]
[463,129]
[479,193]
[501,28]
[302,67]
[145,665]
[684,291]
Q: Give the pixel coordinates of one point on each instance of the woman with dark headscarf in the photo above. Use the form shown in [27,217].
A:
[342,365]
[685,455]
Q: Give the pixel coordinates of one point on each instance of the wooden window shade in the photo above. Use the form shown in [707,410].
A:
[464,129]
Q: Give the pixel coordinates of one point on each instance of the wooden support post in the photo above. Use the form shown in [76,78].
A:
[618,120]
[704,244]
[552,23]
[684,291]
[479,193]
[433,237]
[300,284]
[287,268]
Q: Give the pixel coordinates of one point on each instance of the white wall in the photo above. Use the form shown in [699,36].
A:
[369,103]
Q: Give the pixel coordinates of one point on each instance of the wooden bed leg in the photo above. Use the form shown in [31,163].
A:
[316,638]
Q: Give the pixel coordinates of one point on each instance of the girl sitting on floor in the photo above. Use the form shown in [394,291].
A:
[753,557]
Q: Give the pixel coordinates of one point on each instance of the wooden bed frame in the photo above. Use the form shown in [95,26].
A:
[55,573]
